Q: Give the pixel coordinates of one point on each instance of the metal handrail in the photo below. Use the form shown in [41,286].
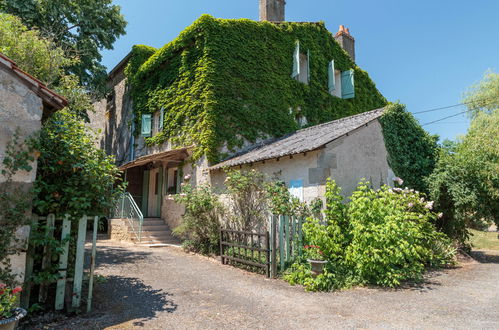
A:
[126,208]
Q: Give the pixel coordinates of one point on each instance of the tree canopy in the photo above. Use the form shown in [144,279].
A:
[81,28]
[483,96]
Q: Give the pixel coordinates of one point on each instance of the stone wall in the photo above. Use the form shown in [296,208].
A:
[171,212]
[20,109]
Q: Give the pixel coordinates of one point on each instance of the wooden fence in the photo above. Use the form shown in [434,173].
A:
[280,246]
[63,225]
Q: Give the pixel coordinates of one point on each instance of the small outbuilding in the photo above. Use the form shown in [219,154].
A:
[346,150]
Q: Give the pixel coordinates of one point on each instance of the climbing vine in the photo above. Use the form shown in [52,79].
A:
[412,152]
[222,82]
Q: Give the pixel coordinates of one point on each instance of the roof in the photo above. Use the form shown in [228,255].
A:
[51,99]
[303,140]
[176,154]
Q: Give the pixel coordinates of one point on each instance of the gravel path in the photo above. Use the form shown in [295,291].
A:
[166,288]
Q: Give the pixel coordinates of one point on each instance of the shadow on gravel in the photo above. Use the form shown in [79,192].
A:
[113,255]
[122,299]
[121,302]
[486,256]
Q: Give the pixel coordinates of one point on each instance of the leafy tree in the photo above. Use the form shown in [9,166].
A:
[38,56]
[412,152]
[43,59]
[82,28]
[465,183]
[484,96]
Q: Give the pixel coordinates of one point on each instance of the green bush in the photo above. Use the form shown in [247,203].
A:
[201,221]
[74,176]
[381,237]
[392,235]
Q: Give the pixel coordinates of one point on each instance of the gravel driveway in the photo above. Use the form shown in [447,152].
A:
[166,288]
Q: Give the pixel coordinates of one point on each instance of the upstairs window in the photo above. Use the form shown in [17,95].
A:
[146,125]
[341,84]
[301,65]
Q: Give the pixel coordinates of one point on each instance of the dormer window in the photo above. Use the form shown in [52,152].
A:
[301,65]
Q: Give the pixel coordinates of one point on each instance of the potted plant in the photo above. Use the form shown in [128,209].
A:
[9,314]
[316,258]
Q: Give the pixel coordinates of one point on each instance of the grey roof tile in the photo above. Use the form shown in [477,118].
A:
[303,140]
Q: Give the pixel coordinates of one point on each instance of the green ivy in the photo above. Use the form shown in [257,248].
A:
[225,81]
[412,152]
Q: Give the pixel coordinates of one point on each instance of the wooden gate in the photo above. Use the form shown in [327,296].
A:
[246,248]
[269,250]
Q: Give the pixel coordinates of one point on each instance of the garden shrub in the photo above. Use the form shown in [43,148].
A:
[74,176]
[246,192]
[201,220]
[381,237]
[392,235]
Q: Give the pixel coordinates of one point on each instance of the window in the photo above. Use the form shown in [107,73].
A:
[146,125]
[296,189]
[341,84]
[301,65]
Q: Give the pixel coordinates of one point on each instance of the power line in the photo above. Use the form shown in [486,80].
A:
[490,101]
[457,114]
[435,109]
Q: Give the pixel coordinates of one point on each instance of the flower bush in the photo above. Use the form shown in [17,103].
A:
[8,299]
[381,237]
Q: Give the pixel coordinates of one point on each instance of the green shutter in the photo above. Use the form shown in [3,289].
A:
[347,84]
[308,66]
[296,61]
[146,125]
[161,118]
[331,83]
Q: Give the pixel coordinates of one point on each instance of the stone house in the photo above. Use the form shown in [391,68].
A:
[284,97]
[24,103]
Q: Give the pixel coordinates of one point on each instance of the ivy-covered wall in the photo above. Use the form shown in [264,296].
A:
[223,81]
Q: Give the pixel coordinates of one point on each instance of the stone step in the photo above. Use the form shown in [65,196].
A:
[155,228]
[156,234]
[146,241]
[153,222]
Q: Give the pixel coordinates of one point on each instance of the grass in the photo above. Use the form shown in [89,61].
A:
[483,240]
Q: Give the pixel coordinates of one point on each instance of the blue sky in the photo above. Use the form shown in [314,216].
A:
[423,53]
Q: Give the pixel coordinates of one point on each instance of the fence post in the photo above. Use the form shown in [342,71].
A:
[63,264]
[92,264]
[286,229]
[274,246]
[80,254]
[47,256]
[29,266]
[281,241]
[293,236]
[221,246]
[267,252]
[300,235]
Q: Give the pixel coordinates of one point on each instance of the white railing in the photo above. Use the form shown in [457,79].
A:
[126,208]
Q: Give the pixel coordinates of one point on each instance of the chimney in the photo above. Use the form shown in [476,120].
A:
[346,41]
[272,10]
